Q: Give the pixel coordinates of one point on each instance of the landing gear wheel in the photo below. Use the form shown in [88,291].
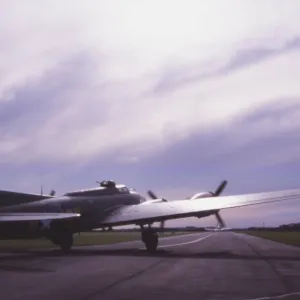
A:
[66,242]
[151,246]
[150,239]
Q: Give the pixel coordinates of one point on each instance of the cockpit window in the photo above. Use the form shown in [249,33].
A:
[124,190]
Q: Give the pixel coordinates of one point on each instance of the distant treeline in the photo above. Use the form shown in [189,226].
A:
[168,229]
[284,227]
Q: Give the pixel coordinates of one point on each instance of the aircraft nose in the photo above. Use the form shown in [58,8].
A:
[138,198]
[142,199]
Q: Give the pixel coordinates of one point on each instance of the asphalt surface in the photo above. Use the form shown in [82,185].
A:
[221,265]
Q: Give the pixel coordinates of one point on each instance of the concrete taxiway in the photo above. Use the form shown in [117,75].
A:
[222,265]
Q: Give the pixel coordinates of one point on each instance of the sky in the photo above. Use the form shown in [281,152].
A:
[172,96]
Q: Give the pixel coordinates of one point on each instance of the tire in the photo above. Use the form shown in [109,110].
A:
[66,242]
[151,245]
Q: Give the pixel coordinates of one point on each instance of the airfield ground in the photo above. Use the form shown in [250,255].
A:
[285,237]
[84,239]
[204,265]
[103,238]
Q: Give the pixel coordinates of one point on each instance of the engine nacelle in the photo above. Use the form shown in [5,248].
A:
[202,195]
[154,201]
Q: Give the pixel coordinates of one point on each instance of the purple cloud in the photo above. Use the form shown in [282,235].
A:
[82,100]
[177,76]
[195,164]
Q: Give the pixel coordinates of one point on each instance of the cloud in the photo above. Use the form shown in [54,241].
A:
[160,93]
[200,71]
[199,161]
[88,120]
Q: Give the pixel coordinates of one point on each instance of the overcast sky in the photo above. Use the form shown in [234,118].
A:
[169,95]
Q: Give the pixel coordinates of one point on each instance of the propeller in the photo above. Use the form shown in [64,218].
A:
[153,196]
[220,220]
[52,192]
[220,188]
[217,193]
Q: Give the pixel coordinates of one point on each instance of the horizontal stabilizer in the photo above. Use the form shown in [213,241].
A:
[8,198]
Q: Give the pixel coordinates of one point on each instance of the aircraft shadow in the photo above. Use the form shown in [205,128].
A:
[30,269]
[133,252]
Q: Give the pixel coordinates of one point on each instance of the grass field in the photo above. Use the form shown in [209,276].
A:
[84,239]
[290,238]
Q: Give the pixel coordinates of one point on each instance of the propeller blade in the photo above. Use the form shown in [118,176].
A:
[220,188]
[220,220]
[52,193]
[152,195]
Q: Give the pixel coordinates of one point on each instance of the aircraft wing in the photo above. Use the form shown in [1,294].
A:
[13,217]
[11,198]
[176,209]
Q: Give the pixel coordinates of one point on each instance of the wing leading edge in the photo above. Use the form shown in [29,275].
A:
[14,217]
[182,208]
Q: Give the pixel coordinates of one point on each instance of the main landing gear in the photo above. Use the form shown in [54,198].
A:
[149,238]
[61,236]
[66,242]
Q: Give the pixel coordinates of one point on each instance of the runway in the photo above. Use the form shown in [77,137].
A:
[208,265]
